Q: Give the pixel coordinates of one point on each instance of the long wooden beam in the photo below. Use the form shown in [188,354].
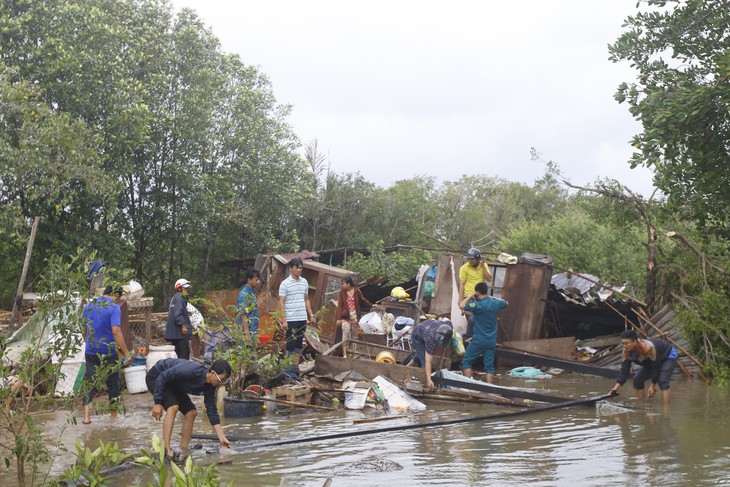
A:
[502,391]
[538,360]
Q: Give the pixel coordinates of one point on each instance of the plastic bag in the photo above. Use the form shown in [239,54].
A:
[457,345]
[372,324]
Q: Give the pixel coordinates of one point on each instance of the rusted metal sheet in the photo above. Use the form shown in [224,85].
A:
[327,364]
[526,287]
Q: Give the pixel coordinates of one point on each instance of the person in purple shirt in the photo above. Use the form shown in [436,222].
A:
[104,339]
[171,380]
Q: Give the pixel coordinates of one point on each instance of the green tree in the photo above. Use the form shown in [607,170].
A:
[576,239]
[202,152]
[681,51]
[49,167]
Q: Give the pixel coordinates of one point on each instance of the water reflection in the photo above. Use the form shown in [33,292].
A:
[618,442]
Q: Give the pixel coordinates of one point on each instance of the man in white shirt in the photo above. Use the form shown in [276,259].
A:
[295,306]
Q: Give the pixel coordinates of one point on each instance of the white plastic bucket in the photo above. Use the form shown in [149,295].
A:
[158,352]
[135,379]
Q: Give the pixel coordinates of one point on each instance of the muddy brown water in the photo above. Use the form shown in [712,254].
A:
[614,443]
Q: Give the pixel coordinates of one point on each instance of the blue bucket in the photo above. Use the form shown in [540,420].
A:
[242,408]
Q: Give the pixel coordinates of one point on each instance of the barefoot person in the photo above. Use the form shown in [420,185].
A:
[171,380]
[484,309]
[105,346]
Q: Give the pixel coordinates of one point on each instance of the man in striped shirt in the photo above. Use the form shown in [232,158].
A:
[295,306]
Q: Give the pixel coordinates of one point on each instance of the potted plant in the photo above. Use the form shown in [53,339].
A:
[249,367]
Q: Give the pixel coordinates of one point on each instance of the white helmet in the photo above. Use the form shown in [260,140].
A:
[181,283]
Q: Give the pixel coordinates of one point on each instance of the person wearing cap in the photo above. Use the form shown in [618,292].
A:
[170,381]
[179,329]
[105,346]
[426,338]
[474,271]
[656,358]
[485,310]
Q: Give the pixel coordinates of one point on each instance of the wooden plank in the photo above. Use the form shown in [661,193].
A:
[325,364]
[561,348]
[600,342]
[17,313]
[372,350]
[501,391]
[526,288]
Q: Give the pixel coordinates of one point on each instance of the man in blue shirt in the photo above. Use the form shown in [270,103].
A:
[171,380]
[103,336]
[485,309]
[248,309]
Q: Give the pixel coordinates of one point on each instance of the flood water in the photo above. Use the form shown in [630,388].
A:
[614,443]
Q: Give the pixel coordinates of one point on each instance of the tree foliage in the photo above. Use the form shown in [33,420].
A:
[681,50]
[203,158]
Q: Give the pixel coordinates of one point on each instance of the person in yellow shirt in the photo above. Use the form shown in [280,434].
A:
[474,271]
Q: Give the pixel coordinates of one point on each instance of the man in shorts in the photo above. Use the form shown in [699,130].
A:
[171,380]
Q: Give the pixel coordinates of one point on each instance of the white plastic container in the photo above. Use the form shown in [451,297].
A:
[135,379]
[158,352]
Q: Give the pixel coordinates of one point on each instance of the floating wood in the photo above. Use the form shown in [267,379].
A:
[297,404]
[492,398]
[387,418]
[501,391]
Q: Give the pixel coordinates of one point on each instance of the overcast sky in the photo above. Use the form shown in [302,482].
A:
[399,88]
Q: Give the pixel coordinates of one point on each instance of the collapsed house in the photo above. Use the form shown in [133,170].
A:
[566,315]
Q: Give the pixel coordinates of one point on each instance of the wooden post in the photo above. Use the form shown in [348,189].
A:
[15,316]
